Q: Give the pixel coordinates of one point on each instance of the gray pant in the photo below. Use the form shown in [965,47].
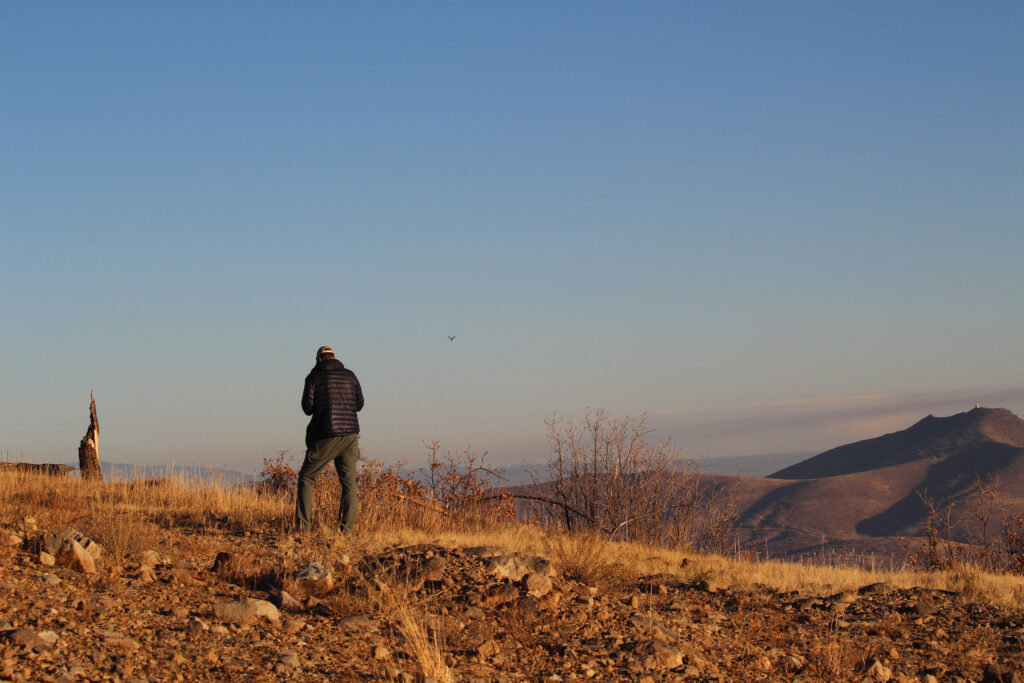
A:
[344,451]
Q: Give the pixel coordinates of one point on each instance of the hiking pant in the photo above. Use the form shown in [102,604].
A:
[344,451]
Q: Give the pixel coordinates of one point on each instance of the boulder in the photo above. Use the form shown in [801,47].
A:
[315,579]
[73,556]
[247,610]
[514,567]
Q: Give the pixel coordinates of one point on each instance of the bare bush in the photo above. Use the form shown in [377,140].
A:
[608,475]
[986,536]
[464,486]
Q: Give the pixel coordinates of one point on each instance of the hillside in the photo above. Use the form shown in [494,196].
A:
[169,583]
[867,496]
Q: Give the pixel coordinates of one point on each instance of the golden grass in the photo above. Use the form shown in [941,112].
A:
[175,515]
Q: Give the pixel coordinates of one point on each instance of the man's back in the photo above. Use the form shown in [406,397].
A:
[332,396]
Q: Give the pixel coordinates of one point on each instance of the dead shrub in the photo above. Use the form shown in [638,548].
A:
[608,475]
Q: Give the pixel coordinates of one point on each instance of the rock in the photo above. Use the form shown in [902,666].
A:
[26,639]
[46,559]
[998,673]
[488,648]
[73,556]
[118,640]
[657,654]
[48,637]
[196,627]
[537,585]
[247,610]
[843,597]
[433,570]
[50,579]
[12,539]
[290,660]
[792,662]
[150,559]
[500,595]
[874,588]
[514,567]
[358,623]
[381,652]
[315,579]
[879,672]
[225,563]
[293,626]
[653,628]
[285,601]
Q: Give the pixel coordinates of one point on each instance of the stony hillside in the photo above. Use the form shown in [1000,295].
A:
[258,606]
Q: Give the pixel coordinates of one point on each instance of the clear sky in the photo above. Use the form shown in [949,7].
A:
[758,222]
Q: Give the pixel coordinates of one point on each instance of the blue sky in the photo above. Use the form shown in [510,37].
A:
[688,209]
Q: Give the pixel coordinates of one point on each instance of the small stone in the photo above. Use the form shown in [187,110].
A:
[500,595]
[537,585]
[48,637]
[46,559]
[26,639]
[285,601]
[248,609]
[73,556]
[515,567]
[293,626]
[659,655]
[178,659]
[196,627]
[381,652]
[315,579]
[50,579]
[358,623]
[10,538]
[118,640]
[291,661]
[149,558]
[488,648]
[879,672]
[179,612]
[219,629]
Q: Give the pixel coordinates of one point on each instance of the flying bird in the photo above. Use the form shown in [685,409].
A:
[451,337]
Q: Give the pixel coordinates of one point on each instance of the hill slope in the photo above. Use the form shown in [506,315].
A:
[866,496]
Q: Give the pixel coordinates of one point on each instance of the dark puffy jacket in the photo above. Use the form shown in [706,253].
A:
[333,397]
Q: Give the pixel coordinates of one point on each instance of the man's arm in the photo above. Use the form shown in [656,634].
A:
[307,395]
[359,393]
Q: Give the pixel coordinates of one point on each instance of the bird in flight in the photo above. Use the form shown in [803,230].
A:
[451,337]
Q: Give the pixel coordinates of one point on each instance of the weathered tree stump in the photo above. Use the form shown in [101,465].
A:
[89,449]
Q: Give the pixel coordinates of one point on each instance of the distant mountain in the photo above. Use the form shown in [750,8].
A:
[191,473]
[984,436]
[867,495]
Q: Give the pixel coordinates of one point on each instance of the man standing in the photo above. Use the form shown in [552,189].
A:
[332,396]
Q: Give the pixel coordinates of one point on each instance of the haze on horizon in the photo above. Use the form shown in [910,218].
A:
[773,227]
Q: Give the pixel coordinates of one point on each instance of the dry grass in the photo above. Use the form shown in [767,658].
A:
[180,518]
[422,637]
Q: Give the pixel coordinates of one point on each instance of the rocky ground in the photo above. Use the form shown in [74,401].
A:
[254,611]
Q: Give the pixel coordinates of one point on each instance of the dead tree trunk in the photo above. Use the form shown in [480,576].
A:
[89,449]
